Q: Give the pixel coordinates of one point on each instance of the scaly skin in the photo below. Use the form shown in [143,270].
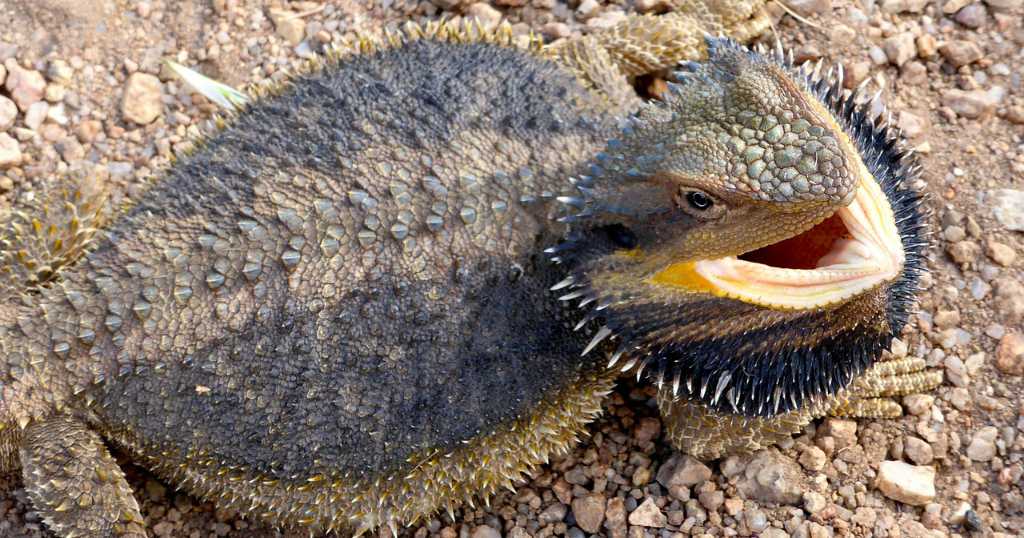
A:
[335,312]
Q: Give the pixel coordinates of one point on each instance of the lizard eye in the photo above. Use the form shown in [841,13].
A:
[699,201]
[698,204]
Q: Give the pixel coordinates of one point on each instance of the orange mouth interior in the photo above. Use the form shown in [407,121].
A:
[803,251]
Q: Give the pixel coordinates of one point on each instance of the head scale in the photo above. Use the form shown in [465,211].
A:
[710,240]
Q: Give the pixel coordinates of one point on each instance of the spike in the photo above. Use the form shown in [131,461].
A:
[568,281]
[616,356]
[602,333]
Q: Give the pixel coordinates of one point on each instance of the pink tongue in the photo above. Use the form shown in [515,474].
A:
[845,251]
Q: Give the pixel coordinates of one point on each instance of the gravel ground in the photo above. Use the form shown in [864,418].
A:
[84,93]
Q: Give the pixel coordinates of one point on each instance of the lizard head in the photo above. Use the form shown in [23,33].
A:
[748,240]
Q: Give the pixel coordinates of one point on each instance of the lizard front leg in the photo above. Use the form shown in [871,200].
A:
[75,484]
[708,434]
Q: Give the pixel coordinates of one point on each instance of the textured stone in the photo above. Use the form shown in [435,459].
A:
[814,502]
[813,458]
[10,151]
[484,531]
[972,16]
[682,471]
[8,113]
[141,101]
[960,53]
[589,512]
[1000,253]
[808,8]
[983,444]
[1008,207]
[842,430]
[1009,300]
[648,515]
[900,48]
[910,484]
[1010,354]
[972,104]
[772,477]
[483,12]
[288,26]
[918,451]
[25,86]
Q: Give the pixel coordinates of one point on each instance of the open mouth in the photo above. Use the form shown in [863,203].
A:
[854,250]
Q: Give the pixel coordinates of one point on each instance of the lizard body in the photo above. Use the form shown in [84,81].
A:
[336,312]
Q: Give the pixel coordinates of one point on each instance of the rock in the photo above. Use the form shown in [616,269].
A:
[950,7]
[926,46]
[814,502]
[959,513]
[10,151]
[903,6]
[553,514]
[648,515]
[1010,354]
[856,73]
[288,26]
[555,30]
[807,8]
[1004,5]
[483,531]
[919,451]
[772,477]
[1000,253]
[964,252]
[36,114]
[711,500]
[956,370]
[141,101]
[972,104]
[1008,207]
[588,9]
[25,86]
[910,484]
[960,53]
[483,12]
[682,471]
[900,48]
[60,72]
[843,431]
[972,16]
[918,405]
[756,520]
[912,124]
[1010,298]
[945,319]
[8,113]
[608,18]
[813,458]
[647,429]
[983,444]
[615,514]
[589,512]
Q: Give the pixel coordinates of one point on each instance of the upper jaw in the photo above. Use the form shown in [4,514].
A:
[872,255]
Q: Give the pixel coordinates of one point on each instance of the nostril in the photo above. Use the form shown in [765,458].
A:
[620,235]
